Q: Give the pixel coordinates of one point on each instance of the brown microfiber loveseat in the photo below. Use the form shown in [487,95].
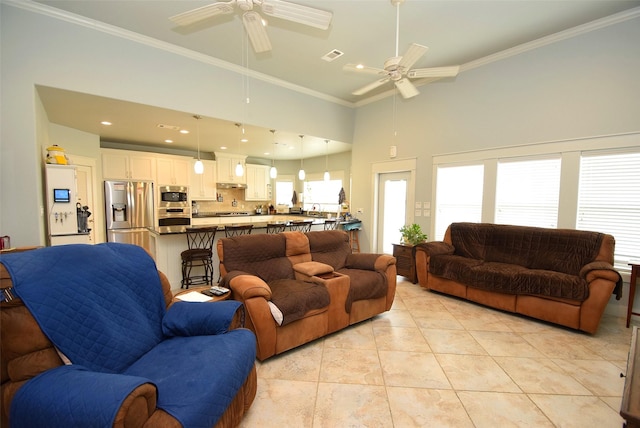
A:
[558,275]
[297,287]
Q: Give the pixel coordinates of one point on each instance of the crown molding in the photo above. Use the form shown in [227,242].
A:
[196,56]
[73,18]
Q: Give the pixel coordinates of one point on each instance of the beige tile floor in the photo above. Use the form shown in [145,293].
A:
[436,361]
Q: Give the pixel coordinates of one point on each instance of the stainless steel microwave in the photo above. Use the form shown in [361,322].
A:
[173,196]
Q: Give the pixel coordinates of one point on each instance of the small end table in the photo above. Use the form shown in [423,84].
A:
[406,261]
[224,296]
[635,269]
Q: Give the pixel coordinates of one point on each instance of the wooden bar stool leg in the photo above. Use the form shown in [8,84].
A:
[354,240]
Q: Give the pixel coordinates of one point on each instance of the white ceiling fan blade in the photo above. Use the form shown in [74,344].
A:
[406,88]
[297,13]
[192,16]
[412,55]
[434,72]
[371,86]
[256,31]
[359,68]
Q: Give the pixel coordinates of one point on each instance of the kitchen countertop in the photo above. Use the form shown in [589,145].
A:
[314,220]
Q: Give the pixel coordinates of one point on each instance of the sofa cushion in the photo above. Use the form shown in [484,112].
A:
[364,284]
[330,247]
[115,314]
[259,255]
[509,278]
[295,298]
[560,250]
[223,363]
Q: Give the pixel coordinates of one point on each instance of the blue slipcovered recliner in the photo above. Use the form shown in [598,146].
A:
[87,340]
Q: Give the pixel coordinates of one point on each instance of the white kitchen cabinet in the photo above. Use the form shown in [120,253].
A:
[226,168]
[173,170]
[203,186]
[127,165]
[258,183]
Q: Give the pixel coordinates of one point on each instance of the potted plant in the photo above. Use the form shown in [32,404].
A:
[412,234]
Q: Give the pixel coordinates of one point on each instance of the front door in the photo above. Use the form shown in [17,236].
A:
[393,207]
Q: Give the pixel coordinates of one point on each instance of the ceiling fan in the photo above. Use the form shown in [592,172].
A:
[253,22]
[398,68]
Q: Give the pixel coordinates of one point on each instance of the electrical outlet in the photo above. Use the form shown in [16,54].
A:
[359,211]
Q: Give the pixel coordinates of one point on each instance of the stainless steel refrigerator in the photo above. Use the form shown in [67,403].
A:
[130,212]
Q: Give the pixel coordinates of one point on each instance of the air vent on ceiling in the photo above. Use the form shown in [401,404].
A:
[172,127]
[331,56]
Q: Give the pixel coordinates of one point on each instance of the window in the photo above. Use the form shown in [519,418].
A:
[527,192]
[458,196]
[609,200]
[322,195]
[284,191]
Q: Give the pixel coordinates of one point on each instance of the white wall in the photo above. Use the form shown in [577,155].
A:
[40,50]
[585,86]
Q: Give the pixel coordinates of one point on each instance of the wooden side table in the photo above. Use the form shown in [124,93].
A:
[224,296]
[635,269]
[406,261]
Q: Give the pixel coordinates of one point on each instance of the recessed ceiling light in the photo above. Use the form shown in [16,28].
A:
[168,141]
[184,131]
[106,123]
[223,147]
[243,140]
[266,153]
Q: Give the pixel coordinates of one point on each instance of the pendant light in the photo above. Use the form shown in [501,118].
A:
[301,173]
[327,177]
[198,167]
[273,172]
[239,167]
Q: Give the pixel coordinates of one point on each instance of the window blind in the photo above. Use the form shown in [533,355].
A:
[458,196]
[609,200]
[527,192]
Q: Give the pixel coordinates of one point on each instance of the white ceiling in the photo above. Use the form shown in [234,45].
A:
[457,32]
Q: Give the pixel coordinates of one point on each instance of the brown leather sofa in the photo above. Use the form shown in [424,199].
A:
[26,352]
[558,275]
[314,275]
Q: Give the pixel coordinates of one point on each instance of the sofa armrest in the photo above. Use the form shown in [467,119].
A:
[245,286]
[602,270]
[369,261]
[185,319]
[435,248]
[73,396]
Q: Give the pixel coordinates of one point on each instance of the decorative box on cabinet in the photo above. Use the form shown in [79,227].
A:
[226,168]
[406,261]
[127,165]
[258,182]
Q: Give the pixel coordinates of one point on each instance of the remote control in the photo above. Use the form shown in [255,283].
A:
[219,290]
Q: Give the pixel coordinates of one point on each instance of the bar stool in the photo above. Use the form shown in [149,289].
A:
[353,240]
[199,252]
[276,227]
[237,229]
[330,224]
[300,226]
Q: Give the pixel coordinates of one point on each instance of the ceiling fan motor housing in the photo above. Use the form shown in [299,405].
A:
[391,67]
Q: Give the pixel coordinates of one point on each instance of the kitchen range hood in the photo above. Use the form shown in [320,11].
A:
[231,186]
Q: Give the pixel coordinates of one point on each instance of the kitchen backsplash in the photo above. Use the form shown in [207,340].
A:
[228,196]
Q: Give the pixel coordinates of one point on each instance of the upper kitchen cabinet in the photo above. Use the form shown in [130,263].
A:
[128,165]
[173,170]
[258,183]
[203,186]
[226,166]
